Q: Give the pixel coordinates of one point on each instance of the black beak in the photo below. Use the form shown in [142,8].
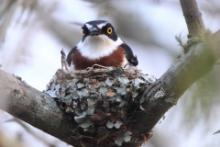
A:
[94,31]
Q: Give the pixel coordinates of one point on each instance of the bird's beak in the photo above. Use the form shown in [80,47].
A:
[94,31]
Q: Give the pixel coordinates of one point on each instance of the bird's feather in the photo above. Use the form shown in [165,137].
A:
[132,59]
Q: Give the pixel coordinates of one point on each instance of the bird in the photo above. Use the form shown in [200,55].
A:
[100,45]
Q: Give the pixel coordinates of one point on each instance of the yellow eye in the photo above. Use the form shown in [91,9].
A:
[109,30]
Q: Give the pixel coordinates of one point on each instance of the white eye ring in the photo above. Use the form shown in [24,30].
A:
[109,30]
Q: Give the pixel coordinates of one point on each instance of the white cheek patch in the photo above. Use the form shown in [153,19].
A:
[95,47]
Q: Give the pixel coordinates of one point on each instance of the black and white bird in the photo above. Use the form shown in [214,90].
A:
[100,45]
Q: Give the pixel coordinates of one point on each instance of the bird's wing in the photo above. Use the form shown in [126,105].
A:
[132,59]
[70,55]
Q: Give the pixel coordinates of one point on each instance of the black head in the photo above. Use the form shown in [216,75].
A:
[99,27]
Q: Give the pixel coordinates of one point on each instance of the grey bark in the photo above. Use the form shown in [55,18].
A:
[32,106]
[193,17]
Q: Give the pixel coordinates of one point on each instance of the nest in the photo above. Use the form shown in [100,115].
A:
[100,102]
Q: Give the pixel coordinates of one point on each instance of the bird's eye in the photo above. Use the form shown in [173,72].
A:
[109,30]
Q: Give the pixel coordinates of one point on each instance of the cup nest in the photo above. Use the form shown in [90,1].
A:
[100,101]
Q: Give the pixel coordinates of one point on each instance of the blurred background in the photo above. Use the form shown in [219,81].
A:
[32,33]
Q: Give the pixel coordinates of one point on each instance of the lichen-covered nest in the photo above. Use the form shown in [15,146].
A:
[100,101]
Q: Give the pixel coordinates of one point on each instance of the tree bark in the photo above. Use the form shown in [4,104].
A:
[193,17]
[33,106]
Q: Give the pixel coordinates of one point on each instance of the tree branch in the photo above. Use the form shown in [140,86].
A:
[174,83]
[193,17]
[34,107]
[196,63]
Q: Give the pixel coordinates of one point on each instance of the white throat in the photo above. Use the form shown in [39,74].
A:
[94,47]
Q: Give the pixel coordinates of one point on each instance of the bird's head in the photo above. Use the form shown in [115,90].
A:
[99,39]
[99,28]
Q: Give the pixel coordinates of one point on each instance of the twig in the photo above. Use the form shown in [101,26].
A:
[64,64]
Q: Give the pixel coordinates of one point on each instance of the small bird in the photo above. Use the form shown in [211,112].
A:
[100,45]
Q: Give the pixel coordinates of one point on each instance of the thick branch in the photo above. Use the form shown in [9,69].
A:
[196,63]
[193,17]
[35,108]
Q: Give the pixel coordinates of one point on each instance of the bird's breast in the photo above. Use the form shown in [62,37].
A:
[116,59]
